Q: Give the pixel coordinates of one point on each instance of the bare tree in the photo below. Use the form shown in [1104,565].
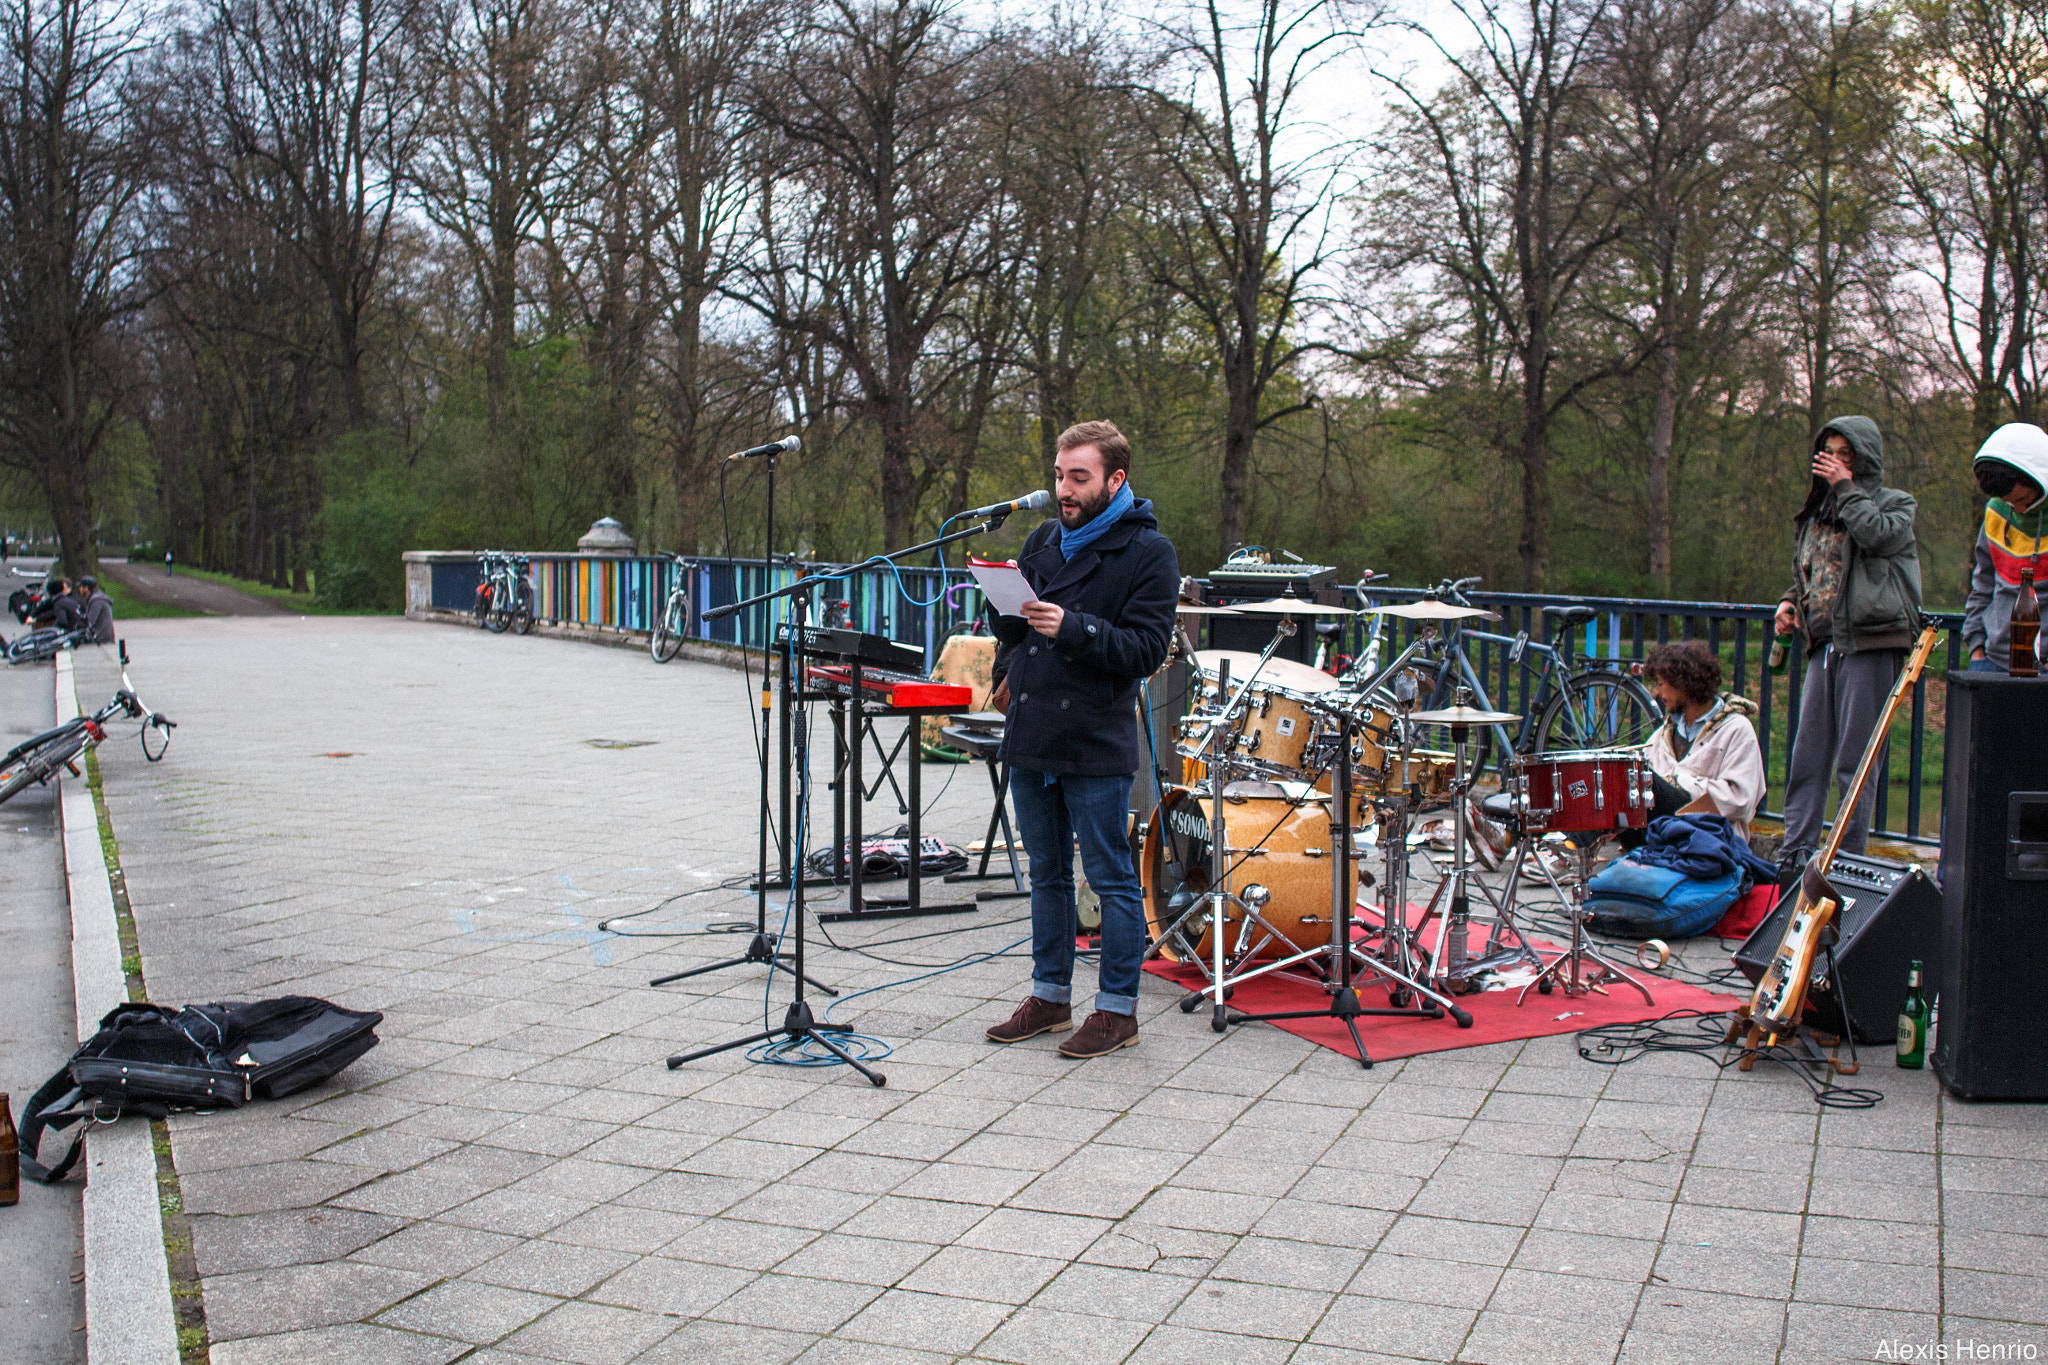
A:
[74,161]
[323,93]
[1688,83]
[891,171]
[693,77]
[1979,189]
[1838,112]
[1244,234]
[509,81]
[1494,185]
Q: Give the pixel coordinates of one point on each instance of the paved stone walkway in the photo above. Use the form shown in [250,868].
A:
[414,818]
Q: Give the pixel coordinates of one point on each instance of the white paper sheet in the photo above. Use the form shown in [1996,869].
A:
[1004,586]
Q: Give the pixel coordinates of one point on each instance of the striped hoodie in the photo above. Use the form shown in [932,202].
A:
[2007,542]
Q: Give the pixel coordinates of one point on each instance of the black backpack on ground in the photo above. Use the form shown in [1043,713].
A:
[149,1060]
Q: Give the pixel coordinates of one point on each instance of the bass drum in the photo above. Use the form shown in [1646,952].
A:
[1290,829]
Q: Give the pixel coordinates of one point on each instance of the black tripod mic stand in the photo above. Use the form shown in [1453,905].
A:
[798,1023]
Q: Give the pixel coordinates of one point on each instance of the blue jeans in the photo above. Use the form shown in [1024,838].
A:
[1987,664]
[1050,816]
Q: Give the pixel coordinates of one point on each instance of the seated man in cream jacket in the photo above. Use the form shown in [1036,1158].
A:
[1705,756]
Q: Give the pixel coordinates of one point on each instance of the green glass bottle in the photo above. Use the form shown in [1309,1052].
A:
[1781,653]
[1913,1022]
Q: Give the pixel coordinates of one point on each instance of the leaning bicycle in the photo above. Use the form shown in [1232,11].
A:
[672,623]
[1574,704]
[505,596]
[35,761]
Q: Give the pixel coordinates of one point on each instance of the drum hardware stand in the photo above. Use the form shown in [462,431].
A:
[1219,892]
[1449,962]
[1344,1003]
[1567,969]
[798,1023]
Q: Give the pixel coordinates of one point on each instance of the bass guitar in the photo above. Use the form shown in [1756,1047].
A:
[1775,1008]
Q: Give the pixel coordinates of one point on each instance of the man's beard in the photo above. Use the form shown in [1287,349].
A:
[1074,518]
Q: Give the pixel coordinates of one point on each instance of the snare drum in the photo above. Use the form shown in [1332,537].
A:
[1587,791]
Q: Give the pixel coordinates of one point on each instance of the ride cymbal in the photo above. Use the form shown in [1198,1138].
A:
[1432,611]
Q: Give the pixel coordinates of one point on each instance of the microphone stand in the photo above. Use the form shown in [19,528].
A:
[763,948]
[799,1024]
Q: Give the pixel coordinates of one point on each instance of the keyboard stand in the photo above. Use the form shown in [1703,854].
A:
[986,747]
[849,790]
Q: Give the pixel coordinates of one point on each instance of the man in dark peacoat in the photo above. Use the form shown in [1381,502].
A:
[1068,674]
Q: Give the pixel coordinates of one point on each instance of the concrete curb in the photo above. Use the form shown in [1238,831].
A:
[128,1314]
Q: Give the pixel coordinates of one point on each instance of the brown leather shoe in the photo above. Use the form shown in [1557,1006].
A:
[1103,1034]
[1032,1018]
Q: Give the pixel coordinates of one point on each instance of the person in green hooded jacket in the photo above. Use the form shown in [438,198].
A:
[1854,605]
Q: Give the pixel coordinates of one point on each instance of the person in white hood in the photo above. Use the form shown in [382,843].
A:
[2012,469]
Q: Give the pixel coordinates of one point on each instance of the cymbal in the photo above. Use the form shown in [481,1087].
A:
[1461,715]
[1291,606]
[1433,611]
[1190,609]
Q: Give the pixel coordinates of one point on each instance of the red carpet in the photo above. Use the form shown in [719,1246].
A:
[1495,1017]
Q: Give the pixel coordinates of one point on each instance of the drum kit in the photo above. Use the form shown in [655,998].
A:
[1292,776]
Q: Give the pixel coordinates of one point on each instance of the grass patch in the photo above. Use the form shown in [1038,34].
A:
[307,603]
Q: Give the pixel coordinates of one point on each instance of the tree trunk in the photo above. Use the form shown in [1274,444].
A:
[1240,426]
[1663,420]
[899,480]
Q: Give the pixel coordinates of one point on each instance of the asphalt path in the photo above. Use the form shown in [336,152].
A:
[151,584]
[41,1236]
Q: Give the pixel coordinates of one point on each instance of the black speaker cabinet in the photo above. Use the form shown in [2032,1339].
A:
[1994,905]
[1891,914]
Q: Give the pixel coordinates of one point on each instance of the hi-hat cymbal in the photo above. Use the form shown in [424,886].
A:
[1461,715]
[1190,609]
[1291,606]
[1433,611]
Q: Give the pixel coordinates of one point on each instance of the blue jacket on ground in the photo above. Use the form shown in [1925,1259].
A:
[1073,700]
[1701,846]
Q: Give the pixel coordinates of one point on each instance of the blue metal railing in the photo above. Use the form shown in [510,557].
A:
[921,606]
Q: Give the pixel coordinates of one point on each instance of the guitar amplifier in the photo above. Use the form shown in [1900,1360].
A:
[1994,919]
[1891,914]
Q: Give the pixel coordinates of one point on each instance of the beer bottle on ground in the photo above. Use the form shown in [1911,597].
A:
[1913,1023]
[2026,628]
[10,1156]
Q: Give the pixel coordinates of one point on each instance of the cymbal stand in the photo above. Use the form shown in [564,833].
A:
[1219,895]
[1344,1003]
[1449,961]
[1569,969]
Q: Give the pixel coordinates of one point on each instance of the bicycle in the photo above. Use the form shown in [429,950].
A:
[1591,704]
[672,623]
[43,644]
[505,597]
[36,760]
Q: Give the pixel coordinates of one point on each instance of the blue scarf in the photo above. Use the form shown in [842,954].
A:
[1074,541]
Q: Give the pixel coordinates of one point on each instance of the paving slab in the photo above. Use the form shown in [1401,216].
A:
[415,818]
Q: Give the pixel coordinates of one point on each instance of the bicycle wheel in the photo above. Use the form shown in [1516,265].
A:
[155,725]
[667,640]
[499,614]
[37,765]
[1597,711]
[522,611]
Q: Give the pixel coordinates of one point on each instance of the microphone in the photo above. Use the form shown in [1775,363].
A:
[781,447]
[1030,502]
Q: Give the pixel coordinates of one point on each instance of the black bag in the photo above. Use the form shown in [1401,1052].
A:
[149,1060]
